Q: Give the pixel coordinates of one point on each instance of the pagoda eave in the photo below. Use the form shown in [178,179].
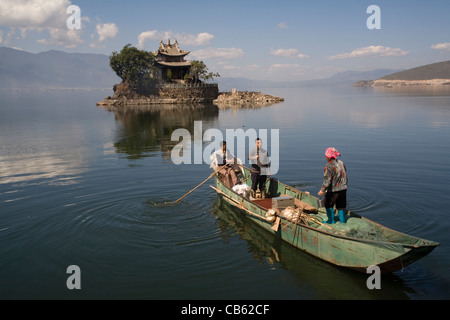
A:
[174,64]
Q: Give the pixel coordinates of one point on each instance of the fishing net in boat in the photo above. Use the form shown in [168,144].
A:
[355,227]
[359,228]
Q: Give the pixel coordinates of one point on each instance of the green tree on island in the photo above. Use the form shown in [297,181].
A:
[135,67]
[199,71]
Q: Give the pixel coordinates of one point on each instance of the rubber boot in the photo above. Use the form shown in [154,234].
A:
[342,217]
[330,215]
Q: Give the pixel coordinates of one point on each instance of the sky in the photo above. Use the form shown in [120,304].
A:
[269,40]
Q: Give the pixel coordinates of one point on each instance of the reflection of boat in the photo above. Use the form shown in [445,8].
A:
[294,216]
[312,273]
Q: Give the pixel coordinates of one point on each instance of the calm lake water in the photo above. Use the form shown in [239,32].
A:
[79,183]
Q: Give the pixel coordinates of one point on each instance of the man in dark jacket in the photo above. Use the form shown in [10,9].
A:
[259,159]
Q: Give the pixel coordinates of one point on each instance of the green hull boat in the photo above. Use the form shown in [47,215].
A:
[297,218]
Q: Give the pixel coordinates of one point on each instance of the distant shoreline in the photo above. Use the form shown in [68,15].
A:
[401,83]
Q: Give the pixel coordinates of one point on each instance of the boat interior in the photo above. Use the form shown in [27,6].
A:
[277,196]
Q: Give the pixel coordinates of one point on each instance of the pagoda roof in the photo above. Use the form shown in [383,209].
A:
[171,50]
[174,64]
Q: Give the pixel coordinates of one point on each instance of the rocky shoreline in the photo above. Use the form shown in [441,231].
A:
[150,100]
[124,96]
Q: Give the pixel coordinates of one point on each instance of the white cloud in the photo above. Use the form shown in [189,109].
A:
[441,46]
[184,39]
[200,39]
[282,25]
[370,51]
[218,53]
[284,66]
[33,13]
[246,68]
[106,31]
[293,53]
[40,15]
[63,37]
[144,36]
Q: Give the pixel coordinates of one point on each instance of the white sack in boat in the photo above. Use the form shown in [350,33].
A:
[242,189]
[291,214]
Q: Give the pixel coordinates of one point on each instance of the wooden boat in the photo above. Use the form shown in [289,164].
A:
[296,217]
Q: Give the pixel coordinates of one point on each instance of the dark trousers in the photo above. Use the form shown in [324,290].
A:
[338,198]
[258,180]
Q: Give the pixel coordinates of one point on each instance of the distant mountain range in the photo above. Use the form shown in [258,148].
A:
[60,70]
[343,79]
[54,70]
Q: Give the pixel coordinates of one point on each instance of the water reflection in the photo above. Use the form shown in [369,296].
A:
[145,130]
[55,169]
[424,106]
[415,91]
[329,281]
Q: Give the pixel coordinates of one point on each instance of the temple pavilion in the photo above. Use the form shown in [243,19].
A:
[170,62]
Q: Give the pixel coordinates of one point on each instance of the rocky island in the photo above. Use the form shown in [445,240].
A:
[245,99]
[188,94]
[165,77]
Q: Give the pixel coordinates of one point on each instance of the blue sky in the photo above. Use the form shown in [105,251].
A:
[271,40]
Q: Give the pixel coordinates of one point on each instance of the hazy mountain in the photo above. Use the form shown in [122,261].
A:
[439,70]
[340,79]
[351,76]
[54,70]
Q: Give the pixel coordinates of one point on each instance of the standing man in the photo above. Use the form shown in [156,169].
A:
[222,156]
[225,160]
[259,159]
[334,186]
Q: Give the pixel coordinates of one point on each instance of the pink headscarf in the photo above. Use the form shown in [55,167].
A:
[332,153]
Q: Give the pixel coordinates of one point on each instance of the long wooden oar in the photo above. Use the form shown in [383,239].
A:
[178,200]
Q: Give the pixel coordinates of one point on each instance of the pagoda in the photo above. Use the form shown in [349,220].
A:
[171,63]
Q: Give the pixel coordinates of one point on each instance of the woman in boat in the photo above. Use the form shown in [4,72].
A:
[334,186]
